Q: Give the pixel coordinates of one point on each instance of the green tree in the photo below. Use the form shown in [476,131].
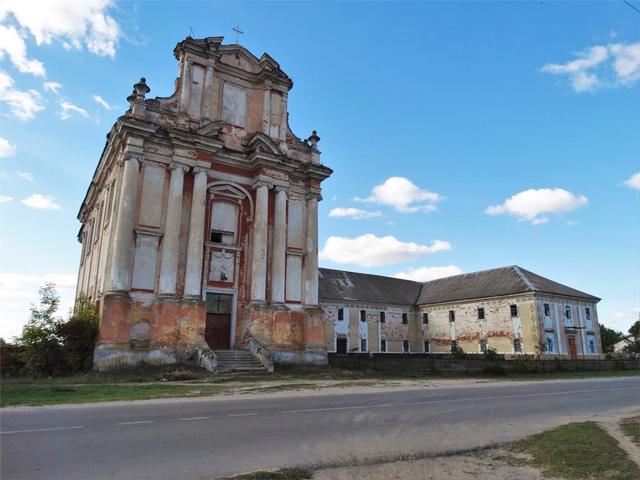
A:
[633,345]
[609,338]
[41,350]
[79,334]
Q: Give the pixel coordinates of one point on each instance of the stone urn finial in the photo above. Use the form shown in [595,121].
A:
[314,139]
[136,99]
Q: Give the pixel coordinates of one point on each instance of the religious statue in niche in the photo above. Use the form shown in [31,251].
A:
[222,267]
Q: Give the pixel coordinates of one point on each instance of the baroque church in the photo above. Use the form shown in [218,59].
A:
[200,237]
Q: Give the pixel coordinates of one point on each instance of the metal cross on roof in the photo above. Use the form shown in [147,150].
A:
[238,33]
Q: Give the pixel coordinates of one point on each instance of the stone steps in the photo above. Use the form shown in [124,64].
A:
[238,361]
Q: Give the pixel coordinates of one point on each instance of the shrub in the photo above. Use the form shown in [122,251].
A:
[524,365]
[494,369]
[78,336]
[459,353]
[491,354]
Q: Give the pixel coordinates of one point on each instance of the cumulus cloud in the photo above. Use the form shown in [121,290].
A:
[354,213]
[24,104]
[5,199]
[77,24]
[68,108]
[6,149]
[370,250]
[403,195]
[25,176]
[615,64]
[18,291]
[424,274]
[620,320]
[101,101]
[42,202]
[632,182]
[51,86]
[13,45]
[532,205]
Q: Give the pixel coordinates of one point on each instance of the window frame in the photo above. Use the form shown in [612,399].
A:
[519,343]
[514,307]
[425,318]
[452,315]
[383,317]
[405,318]
[363,315]
[406,346]
[481,313]
[340,314]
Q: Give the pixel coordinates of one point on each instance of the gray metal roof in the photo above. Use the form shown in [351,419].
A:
[493,283]
[338,285]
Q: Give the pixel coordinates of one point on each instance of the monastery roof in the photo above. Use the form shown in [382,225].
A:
[339,285]
[493,283]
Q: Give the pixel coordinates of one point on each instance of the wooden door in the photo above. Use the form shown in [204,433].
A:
[572,347]
[341,345]
[217,330]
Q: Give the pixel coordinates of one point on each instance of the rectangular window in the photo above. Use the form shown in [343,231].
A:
[454,346]
[405,318]
[514,311]
[383,346]
[363,344]
[405,346]
[587,313]
[517,346]
[547,310]
[550,342]
[425,318]
[427,347]
[341,314]
[234,104]
[481,313]
[483,346]
[363,315]
[452,316]
[567,312]
[382,317]
[591,344]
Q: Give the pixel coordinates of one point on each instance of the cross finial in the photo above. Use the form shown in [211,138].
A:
[238,33]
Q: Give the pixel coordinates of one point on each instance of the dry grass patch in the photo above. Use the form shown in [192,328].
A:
[631,428]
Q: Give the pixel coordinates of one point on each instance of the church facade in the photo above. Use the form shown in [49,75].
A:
[200,235]
[200,226]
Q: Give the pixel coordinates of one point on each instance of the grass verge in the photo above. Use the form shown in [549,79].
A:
[631,428]
[578,451]
[147,382]
[284,474]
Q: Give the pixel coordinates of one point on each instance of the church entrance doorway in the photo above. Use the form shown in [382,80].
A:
[341,345]
[217,332]
[572,347]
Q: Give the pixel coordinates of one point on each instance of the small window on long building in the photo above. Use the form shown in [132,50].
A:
[480,313]
[405,346]
[514,310]
[383,345]
[363,315]
[425,318]
[405,318]
[341,314]
[382,317]
[452,315]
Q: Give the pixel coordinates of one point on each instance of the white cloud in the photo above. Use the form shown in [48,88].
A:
[101,101]
[76,24]
[13,45]
[403,195]
[24,104]
[25,176]
[533,204]
[632,182]
[51,86]
[41,201]
[610,65]
[621,320]
[5,199]
[6,149]
[18,291]
[354,213]
[67,108]
[424,274]
[370,250]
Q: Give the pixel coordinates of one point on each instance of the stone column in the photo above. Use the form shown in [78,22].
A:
[310,273]
[171,241]
[279,246]
[195,248]
[259,251]
[125,220]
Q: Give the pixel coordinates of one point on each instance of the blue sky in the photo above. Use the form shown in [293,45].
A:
[495,133]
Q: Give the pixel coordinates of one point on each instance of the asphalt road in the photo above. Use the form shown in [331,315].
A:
[205,438]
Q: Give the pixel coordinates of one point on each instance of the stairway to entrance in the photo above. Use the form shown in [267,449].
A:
[238,361]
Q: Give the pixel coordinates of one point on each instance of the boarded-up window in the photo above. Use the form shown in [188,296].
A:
[224,222]
[234,104]
[294,278]
[144,263]
[197,87]
[151,202]
[295,223]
